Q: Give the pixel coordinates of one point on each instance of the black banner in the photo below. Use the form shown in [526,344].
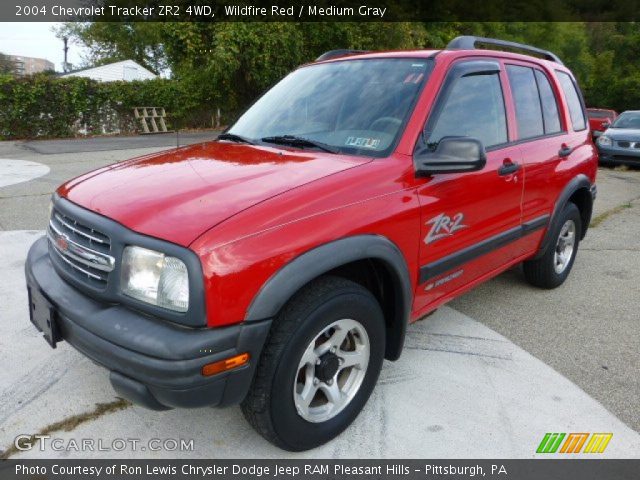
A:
[317,10]
[568,469]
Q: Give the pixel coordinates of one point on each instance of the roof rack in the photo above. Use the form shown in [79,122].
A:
[468,42]
[339,53]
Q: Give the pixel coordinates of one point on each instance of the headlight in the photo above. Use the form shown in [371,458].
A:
[155,278]
[604,141]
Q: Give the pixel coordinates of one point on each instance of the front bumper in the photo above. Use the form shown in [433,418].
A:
[152,362]
[618,155]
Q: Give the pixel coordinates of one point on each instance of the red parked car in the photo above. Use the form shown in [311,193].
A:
[279,265]
[600,119]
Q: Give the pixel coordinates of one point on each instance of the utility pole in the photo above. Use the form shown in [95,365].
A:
[65,65]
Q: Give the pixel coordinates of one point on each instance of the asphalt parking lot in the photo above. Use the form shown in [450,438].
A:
[485,376]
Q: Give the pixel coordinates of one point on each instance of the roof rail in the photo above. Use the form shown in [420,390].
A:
[468,42]
[339,53]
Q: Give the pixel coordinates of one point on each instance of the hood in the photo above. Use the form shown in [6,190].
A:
[632,134]
[598,123]
[178,195]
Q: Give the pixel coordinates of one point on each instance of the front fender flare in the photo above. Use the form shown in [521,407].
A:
[282,285]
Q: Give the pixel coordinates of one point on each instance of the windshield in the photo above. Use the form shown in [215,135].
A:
[353,106]
[627,120]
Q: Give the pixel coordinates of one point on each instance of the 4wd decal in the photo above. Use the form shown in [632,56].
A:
[444,226]
[443,280]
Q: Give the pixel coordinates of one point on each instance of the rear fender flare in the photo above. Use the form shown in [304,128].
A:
[577,183]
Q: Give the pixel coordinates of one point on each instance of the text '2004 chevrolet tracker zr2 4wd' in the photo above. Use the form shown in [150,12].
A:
[278,266]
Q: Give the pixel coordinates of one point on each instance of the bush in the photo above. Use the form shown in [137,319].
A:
[53,107]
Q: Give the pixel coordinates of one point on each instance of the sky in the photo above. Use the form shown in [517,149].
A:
[36,39]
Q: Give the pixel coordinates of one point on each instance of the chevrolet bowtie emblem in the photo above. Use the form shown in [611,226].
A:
[62,242]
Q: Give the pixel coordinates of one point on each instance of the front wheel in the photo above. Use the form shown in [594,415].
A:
[319,366]
[552,268]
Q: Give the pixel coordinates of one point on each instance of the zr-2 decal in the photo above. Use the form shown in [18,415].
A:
[444,226]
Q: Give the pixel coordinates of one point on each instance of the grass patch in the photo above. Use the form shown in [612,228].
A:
[598,219]
[69,424]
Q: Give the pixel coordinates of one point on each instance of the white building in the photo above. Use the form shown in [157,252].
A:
[126,70]
[30,65]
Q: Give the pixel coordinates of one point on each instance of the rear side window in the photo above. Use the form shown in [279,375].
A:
[549,104]
[474,108]
[573,101]
[527,101]
[599,114]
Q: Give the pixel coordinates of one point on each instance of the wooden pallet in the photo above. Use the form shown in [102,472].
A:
[151,117]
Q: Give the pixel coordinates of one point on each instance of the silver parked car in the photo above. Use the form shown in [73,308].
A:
[620,143]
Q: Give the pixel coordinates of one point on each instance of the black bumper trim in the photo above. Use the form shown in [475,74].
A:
[135,391]
[155,363]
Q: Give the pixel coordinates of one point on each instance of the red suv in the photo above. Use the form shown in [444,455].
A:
[279,265]
[600,119]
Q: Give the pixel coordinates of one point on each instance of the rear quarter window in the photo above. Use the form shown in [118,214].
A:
[573,101]
[549,104]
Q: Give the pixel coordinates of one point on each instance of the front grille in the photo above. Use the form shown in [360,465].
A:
[82,234]
[627,144]
[81,251]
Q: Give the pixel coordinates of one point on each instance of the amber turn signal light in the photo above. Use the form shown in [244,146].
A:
[226,364]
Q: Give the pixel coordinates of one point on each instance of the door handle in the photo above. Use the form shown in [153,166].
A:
[508,167]
[565,150]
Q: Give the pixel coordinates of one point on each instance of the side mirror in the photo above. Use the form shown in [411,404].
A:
[451,155]
[606,124]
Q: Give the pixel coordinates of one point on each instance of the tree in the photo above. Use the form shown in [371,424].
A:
[109,42]
[229,64]
[614,78]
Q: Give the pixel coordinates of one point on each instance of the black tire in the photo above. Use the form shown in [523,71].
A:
[269,406]
[541,272]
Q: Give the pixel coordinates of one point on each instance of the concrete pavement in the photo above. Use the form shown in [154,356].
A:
[18,171]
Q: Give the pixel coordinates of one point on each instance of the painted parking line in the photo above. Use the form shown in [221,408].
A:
[18,171]
[460,390]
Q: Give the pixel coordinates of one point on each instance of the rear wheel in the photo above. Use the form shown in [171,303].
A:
[552,269]
[319,366]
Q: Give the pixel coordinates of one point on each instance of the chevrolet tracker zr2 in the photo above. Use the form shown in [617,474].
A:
[277,266]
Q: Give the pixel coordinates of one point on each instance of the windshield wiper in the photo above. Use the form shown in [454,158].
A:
[232,137]
[299,142]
